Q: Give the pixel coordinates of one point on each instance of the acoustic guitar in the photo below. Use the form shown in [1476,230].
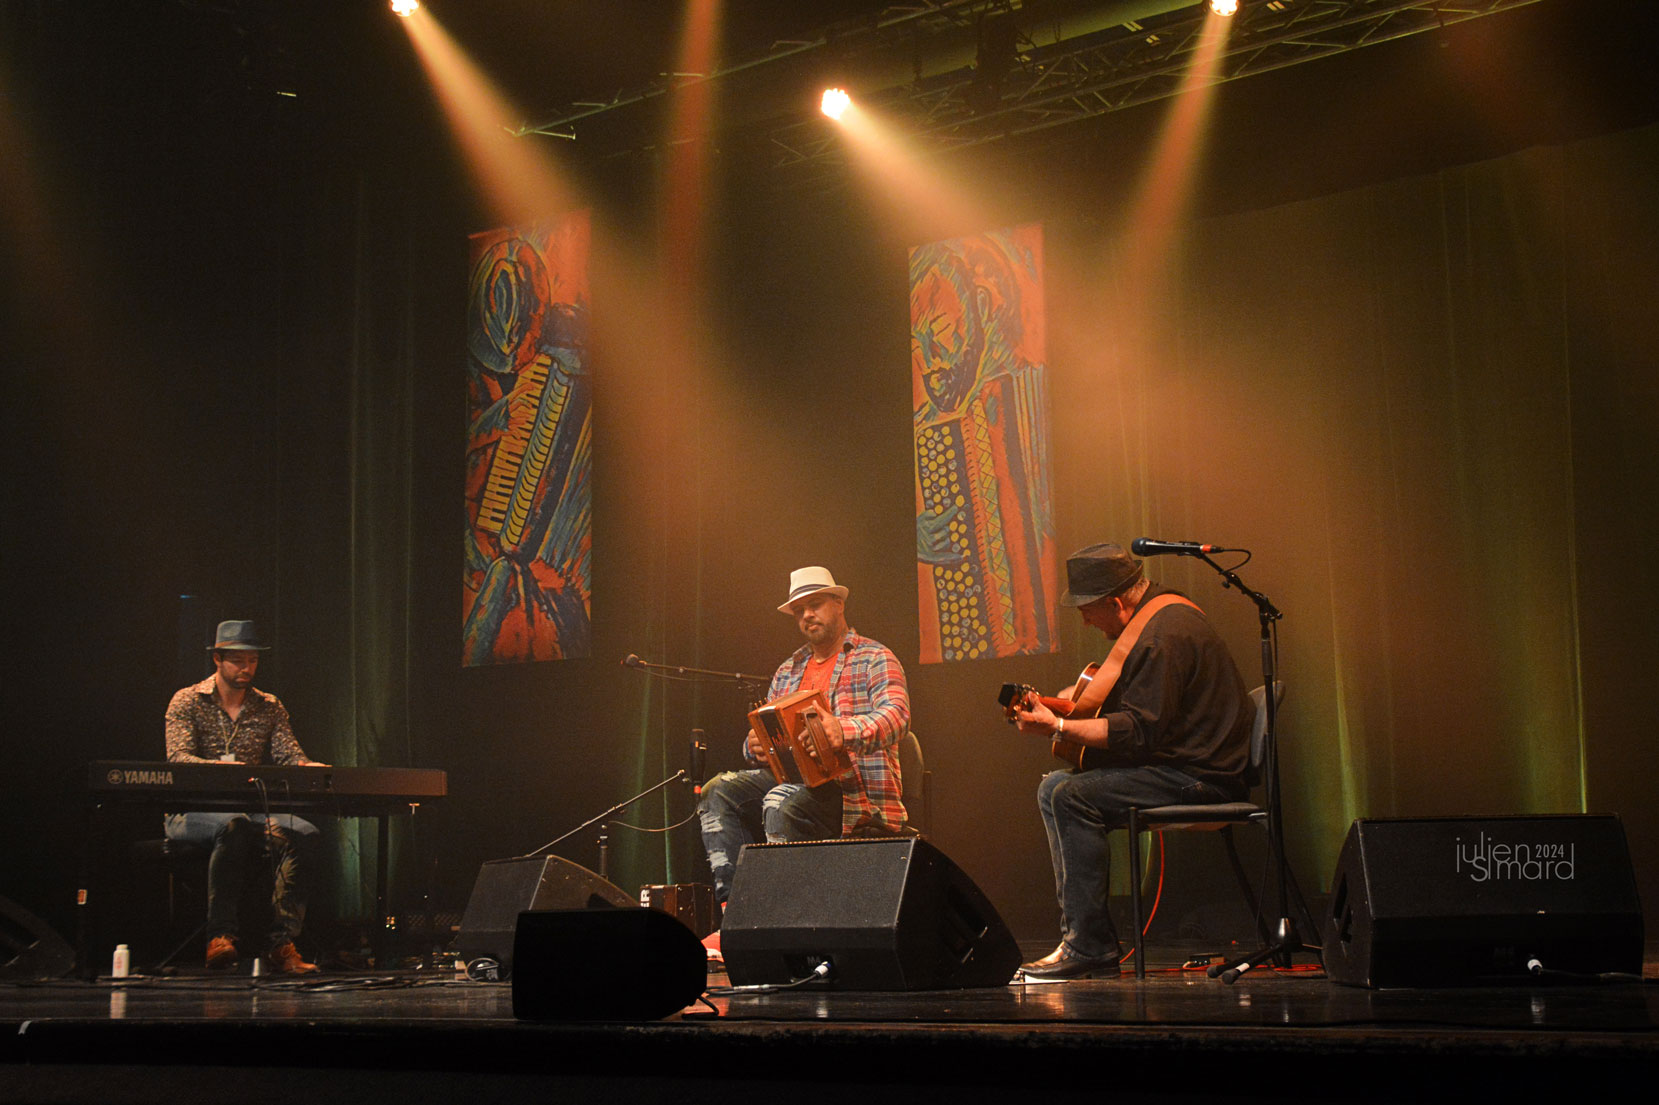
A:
[1015,696]
[1095,684]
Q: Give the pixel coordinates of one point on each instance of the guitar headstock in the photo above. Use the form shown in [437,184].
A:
[1012,697]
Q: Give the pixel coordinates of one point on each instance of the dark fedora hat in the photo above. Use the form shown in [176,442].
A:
[238,635]
[1098,572]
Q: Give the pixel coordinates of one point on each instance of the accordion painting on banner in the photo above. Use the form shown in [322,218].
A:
[526,575]
[986,570]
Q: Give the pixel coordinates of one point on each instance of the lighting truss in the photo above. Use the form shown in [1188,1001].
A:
[1080,78]
[1074,78]
[928,17]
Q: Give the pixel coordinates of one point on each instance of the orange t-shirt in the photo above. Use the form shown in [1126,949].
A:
[818,674]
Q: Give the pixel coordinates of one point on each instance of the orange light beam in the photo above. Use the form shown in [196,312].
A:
[913,191]
[686,184]
[1166,183]
[519,181]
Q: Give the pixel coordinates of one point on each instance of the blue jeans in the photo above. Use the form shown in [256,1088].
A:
[242,844]
[744,807]
[1079,809]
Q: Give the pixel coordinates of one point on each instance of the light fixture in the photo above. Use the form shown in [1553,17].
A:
[405,8]
[998,53]
[1224,7]
[835,102]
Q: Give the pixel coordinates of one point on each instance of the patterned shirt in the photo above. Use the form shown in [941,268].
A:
[199,730]
[869,695]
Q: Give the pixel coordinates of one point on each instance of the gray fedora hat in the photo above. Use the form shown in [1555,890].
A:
[1098,572]
[238,635]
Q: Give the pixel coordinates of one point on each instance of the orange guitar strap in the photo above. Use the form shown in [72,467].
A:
[1094,695]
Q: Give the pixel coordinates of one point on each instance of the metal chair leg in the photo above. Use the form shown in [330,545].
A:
[1135,891]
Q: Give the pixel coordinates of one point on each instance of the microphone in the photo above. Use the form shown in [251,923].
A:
[1146,546]
[631,661]
[698,748]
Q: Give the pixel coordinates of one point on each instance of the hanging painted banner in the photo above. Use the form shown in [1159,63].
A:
[986,574]
[526,578]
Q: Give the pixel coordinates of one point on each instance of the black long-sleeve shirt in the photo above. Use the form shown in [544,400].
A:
[1180,701]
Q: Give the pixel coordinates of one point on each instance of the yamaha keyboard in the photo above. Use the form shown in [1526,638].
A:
[347,791]
[139,785]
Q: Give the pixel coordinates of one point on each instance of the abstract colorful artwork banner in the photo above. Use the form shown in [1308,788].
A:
[986,570]
[526,577]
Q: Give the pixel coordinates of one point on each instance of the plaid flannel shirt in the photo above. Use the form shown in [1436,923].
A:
[868,693]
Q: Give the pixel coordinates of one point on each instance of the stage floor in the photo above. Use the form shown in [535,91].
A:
[1177,1035]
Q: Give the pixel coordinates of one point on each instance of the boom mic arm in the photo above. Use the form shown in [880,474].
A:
[1148,546]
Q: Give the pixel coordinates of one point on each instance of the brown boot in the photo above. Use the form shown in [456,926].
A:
[221,953]
[285,959]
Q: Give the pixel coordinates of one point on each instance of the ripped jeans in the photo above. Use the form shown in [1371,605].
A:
[745,807]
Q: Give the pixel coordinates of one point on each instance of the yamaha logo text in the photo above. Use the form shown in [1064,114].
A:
[1490,861]
[133,777]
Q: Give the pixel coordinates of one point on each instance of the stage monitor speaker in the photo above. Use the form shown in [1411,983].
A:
[1452,901]
[885,914]
[29,948]
[507,887]
[605,965]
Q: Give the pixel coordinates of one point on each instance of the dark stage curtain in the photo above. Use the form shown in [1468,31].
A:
[1427,405]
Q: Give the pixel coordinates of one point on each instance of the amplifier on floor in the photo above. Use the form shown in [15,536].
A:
[691,903]
[1452,901]
[605,965]
[891,914]
[507,887]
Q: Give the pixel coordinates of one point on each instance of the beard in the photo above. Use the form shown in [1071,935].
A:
[242,680]
[817,633]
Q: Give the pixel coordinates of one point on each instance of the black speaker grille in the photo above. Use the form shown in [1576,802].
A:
[1464,900]
[885,914]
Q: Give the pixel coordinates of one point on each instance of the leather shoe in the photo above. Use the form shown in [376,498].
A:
[1061,965]
[1048,960]
[221,953]
[285,960]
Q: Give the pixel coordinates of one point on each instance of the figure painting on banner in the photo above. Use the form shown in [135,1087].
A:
[985,562]
[526,574]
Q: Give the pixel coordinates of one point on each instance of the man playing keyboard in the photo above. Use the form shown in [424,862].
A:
[225,718]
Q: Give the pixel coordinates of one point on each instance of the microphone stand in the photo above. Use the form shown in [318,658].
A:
[696,675]
[604,841]
[1287,939]
[666,671]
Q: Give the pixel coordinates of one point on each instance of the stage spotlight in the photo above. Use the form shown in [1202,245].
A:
[1224,7]
[835,102]
[405,8]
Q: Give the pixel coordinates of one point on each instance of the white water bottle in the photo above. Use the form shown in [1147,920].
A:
[119,964]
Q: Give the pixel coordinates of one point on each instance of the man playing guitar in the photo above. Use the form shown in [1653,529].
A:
[1164,719]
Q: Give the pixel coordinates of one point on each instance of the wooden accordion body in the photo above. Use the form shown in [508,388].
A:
[789,732]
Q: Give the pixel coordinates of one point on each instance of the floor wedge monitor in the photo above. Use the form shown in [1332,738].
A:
[605,965]
[507,887]
[1450,901]
[885,914]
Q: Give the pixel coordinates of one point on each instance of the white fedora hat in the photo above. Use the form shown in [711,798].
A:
[809,581]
